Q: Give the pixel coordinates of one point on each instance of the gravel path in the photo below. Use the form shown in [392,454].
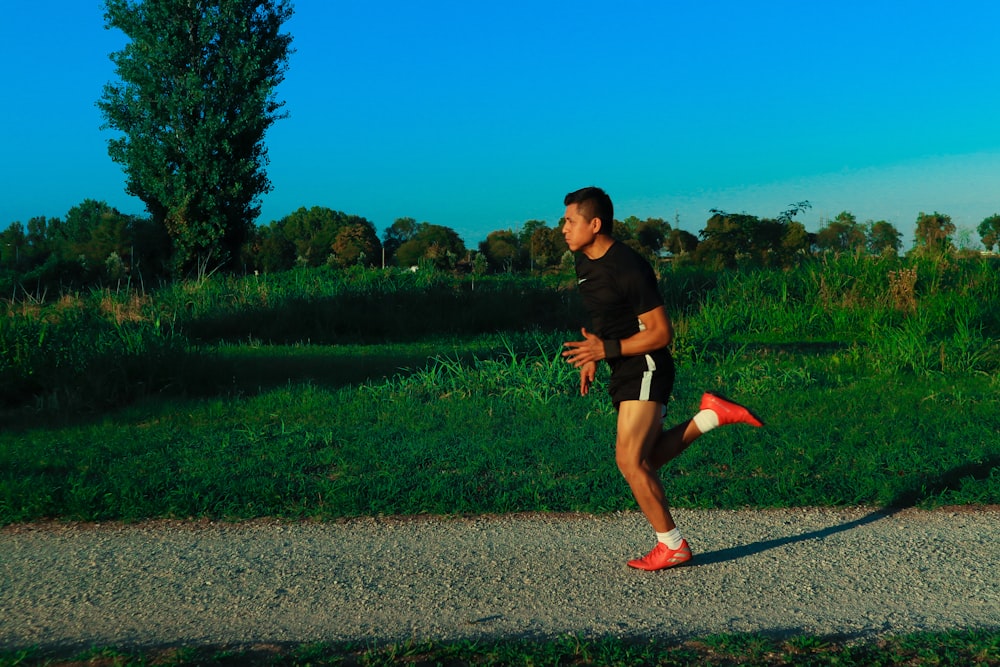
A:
[853,573]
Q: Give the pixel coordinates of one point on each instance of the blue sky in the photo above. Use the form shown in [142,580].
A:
[481,115]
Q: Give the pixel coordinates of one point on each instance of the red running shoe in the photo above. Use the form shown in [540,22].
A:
[729,412]
[662,557]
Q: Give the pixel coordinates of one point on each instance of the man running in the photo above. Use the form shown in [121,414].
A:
[632,332]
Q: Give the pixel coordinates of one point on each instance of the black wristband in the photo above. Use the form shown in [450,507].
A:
[612,349]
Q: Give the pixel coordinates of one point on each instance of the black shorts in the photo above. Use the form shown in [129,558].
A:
[646,378]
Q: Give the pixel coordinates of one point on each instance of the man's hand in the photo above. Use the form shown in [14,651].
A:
[587,373]
[590,350]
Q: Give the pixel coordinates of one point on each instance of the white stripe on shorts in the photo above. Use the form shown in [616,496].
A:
[647,378]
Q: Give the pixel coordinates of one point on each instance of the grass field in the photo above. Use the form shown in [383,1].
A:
[355,433]
[352,434]
[952,649]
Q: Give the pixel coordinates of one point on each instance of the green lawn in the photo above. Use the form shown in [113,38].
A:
[355,430]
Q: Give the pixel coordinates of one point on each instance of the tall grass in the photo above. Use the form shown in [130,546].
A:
[940,317]
[885,315]
[91,350]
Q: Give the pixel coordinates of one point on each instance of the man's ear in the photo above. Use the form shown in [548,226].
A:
[597,225]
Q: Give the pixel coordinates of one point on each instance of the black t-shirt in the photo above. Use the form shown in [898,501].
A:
[616,288]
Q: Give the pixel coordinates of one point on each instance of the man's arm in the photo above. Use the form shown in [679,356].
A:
[656,332]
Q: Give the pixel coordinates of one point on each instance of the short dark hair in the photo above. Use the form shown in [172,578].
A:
[594,203]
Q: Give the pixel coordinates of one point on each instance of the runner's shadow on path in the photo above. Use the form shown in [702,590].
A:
[910,496]
[734,553]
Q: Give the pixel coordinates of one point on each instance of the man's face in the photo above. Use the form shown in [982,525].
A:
[578,231]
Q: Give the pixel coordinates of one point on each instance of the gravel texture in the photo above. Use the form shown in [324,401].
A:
[853,574]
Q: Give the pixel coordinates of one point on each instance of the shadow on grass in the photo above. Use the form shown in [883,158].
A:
[209,375]
[250,371]
[922,489]
[250,374]
[233,372]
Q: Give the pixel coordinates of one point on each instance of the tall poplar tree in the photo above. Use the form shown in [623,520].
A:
[195,96]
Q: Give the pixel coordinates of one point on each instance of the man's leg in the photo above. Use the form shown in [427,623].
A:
[639,429]
[642,449]
[714,411]
[671,443]
[639,425]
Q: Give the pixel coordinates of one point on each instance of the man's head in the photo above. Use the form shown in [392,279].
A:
[593,203]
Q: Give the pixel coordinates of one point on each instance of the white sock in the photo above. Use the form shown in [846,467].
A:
[672,538]
[706,420]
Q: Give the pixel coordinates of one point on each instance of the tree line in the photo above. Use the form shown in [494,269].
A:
[194,95]
[95,244]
